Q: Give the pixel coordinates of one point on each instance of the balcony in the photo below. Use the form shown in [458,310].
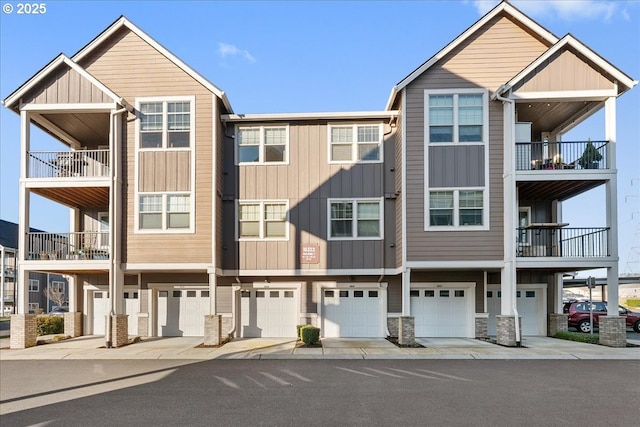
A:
[88,245]
[556,156]
[69,164]
[540,240]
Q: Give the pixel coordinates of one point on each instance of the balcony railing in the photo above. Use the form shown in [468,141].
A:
[67,164]
[563,242]
[561,155]
[68,246]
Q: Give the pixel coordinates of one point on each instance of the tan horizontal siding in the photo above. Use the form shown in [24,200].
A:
[565,71]
[65,86]
[164,171]
[133,69]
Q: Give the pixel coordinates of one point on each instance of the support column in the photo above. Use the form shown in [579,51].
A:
[212,321]
[73,324]
[406,330]
[119,330]
[406,292]
[613,331]
[24,331]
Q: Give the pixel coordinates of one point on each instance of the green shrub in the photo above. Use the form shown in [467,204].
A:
[49,325]
[310,334]
[578,336]
[633,302]
[298,328]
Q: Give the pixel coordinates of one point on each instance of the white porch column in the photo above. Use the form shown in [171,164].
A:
[2,279]
[611,204]
[213,296]
[23,214]
[406,292]
[508,273]
[559,288]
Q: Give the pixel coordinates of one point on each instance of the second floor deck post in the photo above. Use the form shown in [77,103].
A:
[611,189]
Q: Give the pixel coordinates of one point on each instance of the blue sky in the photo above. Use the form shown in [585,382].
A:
[319,56]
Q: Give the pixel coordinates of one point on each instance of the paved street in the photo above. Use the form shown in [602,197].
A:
[320,392]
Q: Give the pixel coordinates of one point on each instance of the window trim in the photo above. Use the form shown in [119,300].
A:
[261,144]
[58,284]
[456,137]
[379,200]
[456,210]
[165,112]
[355,143]
[527,210]
[164,212]
[34,285]
[262,237]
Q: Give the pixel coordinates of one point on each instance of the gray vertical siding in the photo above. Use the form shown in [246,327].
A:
[456,166]
[307,182]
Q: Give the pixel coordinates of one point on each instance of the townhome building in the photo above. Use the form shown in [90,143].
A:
[440,216]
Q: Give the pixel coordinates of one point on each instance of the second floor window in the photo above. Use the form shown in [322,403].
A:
[456,118]
[355,219]
[456,208]
[355,143]
[34,285]
[262,220]
[165,212]
[165,124]
[262,144]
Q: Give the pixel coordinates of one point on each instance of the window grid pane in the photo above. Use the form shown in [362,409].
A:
[341,134]
[368,133]
[249,136]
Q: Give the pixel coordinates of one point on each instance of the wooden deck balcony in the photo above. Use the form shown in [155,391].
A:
[87,245]
[556,240]
[69,164]
[560,156]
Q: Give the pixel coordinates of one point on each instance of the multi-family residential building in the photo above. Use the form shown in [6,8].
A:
[440,216]
[43,291]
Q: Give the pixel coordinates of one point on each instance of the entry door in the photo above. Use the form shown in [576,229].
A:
[132,307]
[100,311]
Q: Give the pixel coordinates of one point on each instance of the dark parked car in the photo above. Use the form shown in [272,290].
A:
[58,310]
[578,312]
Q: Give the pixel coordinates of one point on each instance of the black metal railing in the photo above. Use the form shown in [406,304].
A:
[68,246]
[561,155]
[564,242]
[67,164]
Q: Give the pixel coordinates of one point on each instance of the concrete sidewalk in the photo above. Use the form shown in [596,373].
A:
[189,348]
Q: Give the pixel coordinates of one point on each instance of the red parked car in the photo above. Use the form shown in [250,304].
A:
[579,315]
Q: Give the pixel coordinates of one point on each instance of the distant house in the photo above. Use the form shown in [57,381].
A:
[45,290]
[440,216]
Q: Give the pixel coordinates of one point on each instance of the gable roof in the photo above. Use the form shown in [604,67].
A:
[9,234]
[123,22]
[47,70]
[593,57]
[505,7]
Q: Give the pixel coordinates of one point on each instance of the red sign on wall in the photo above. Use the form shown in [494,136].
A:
[309,253]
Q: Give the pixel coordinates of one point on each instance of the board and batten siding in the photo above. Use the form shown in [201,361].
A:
[66,86]
[133,69]
[306,183]
[487,59]
[161,170]
[564,71]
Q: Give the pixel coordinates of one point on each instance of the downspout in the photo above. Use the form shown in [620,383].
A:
[234,300]
[496,95]
[112,222]
[384,203]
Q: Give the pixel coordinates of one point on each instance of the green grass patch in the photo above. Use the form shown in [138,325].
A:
[5,319]
[578,336]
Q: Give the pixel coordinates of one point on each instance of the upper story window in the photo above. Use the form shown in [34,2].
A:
[259,220]
[355,219]
[56,287]
[456,208]
[166,124]
[262,144]
[456,117]
[355,143]
[162,212]
[34,285]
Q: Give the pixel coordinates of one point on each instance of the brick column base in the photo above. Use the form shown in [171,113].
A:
[482,320]
[392,326]
[119,330]
[143,325]
[212,329]
[73,324]
[406,330]
[24,331]
[613,331]
[558,323]
[506,330]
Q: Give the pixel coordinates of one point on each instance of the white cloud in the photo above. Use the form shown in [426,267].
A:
[564,9]
[225,49]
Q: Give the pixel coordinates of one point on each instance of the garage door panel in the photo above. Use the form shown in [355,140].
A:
[441,312]
[531,308]
[268,313]
[352,313]
[181,312]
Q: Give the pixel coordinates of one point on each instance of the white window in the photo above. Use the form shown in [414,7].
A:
[262,144]
[103,237]
[166,124]
[57,287]
[524,219]
[33,307]
[456,117]
[355,143]
[34,285]
[355,219]
[457,208]
[163,211]
[259,220]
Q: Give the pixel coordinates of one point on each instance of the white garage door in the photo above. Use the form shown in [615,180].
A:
[441,312]
[352,313]
[100,310]
[132,307]
[181,312]
[268,313]
[531,309]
